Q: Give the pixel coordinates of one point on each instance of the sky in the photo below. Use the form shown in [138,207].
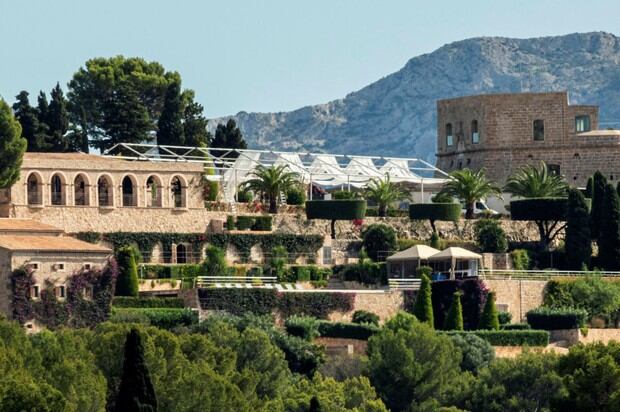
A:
[269,55]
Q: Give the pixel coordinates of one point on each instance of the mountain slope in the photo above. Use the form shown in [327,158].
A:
[396,114]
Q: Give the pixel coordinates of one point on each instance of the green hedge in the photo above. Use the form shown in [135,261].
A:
[336,209]
[435,211]
[553,319]
[258,223]
[244,222]
[516,326]
[509,337]
[172,271]
[374,212]
[346,330]
[165,318]
[151,302]
[266,301]
[263,223]
[551,209]
[304,327]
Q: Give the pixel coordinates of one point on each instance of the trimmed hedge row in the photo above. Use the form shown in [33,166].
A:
[374,212]
[140,302]
[553,319]
[516,326]
[178,271]
[165,318]
[349,209]
[509,337]
[552,208]
[347,330]
[435,211]
[259,223]
[265,301]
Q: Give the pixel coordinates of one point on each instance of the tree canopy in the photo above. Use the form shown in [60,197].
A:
[531,181]
[469,186]
[12,146]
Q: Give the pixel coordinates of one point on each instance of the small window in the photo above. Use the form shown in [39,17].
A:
[87,293]
[60,292]
[468,162]
[34,292]
[33,265]
[449,136]
[554,169]
[59,267]
[539,129]
[475,136]
[88,266]
[582,124]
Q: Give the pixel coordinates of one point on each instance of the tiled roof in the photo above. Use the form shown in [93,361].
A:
[25,225]
[49,244]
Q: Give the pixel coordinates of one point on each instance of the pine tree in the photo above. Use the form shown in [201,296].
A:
[454,318]
[127,282]
[57,120]
[423,307]
[578,241]
[229,136]
[32,129]
[489,318]
[170,126]
[12,146]
[609,239]
[598,201]
[136,392]
[194,122]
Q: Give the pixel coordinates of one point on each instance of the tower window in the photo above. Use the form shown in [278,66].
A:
[582,124]
[449,136]
[475,136]
[539,129]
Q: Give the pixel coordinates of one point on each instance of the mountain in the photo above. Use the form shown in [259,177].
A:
[395,116]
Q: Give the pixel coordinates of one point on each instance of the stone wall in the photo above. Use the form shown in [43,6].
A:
[383,303]
[575,336]
[517,296]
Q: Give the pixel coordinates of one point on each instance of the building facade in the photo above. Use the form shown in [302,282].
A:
[502,132]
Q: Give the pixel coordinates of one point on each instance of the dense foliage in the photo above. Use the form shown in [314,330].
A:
[490,236]
[551,319]
[271,182]
[535,182]
[127,281]
[449,211]
[150,302]
[598,204]
[548,213]
[473,296]
[489,318]
[12,146]
[384,193]
[578,243]
[333,210]
[136,392]
[609,232]
[423,307]
[379,240]
[469,187]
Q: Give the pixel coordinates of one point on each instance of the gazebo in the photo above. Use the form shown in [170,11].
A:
[404,263]
[455,263]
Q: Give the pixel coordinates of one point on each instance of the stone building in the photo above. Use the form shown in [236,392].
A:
[44,249]
[83,192]
[502,132]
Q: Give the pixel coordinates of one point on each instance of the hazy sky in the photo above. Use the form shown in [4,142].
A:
[265,55]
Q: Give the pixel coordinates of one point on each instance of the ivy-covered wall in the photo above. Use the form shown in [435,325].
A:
[77,310]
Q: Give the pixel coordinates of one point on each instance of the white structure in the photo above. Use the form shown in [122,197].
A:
[405,263]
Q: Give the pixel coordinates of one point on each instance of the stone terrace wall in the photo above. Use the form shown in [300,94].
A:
[385,304]
[519,296]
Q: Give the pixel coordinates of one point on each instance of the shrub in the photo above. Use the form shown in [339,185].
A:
[423,271]
[520,259]
[473,295]
[434,241]
[244,196]
[365,272]
[363,316]
[543,209]
[244,222]
[336,209]
[263,223]
[509,337]
[490,236]
[345,330]
[504,317]
[489,318]
[423,308]
[215,262]
[477,352]
[150,302]
[127,282]
[344,195]
[295,196]
[317,304]
[578,241]
[378,239]
[230,222]
[178,271]
[516,326]
[305,327]
[454,319]
[165,318]
[552,319]
[435,211]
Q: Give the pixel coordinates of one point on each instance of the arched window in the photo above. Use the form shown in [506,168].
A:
[57,186]
[34,188]
[81,189]
[181,253]
[475,136]
[178,192]
[449,136]
[153,192]
[129,192]
[105,195]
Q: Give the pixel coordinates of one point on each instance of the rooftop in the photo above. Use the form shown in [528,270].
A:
[26,225]
[49,244]
[606,132]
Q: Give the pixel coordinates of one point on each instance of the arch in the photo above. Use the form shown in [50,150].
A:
[34,189]
[129,189]
[154,190]
[105,191]
[81,190]
[178,191]
[181,250]
[58,192]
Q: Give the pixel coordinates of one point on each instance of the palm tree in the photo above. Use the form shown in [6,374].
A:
[270,182]
[384,193]
[469,187]
[531,181]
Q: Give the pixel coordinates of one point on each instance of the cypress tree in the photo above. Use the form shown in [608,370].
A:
[12,146]
[136,392]
[609,239]
[598,201]
[127,281]
[32,130]
[57,120]
[194,122]
[423,307]
[589,187]
[578,241]
[454,319]
[489,318]
[170,125]
[229,136]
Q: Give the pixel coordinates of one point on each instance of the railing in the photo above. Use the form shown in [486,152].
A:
[207,281]
[540,274]
[404,284]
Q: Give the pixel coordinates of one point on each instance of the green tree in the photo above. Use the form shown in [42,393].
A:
[469,186]
[277,263]
[490,236]
[589,187]
[578,242]
[598,204]
[531,182]
[57,120]
[228,136]
[12,147]
[170,131]
[423,307]
[127,282]
[477,352]
[378,240]
[194,122]
[412,367]
[609,239]
[32,130]
[215,262]
[271,182]
[454,318]
[136,392]
[489,318]
[385,193]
